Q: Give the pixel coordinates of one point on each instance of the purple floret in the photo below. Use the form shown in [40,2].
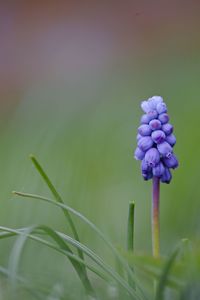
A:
[167,176]
[171,139]
[139,154]
[161,108]
[171,162]
[167,128]
[144,130]
[158,136]
[145,119]
[145,143]
[165,149]
[159,170]
[163,118]
[152,157]
[155,124]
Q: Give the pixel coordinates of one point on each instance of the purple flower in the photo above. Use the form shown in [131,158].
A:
[163,118]
[152,157]
[144,130]
[148,176]
[159,170]
[152,114]
[145,143]
[139,154]
[144,167]
[155,140]
[145,106]
[170,162]
[165,149]
[145,119]
[161,108]
[167,176]
[146,170]
[155,124]
[171,139]
[138,137]
[158,136]
[167,128]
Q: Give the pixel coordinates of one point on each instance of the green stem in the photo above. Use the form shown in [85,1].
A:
[155,217]
[130,235]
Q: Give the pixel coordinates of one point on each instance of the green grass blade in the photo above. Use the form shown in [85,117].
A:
[16,254]
[12,233]
[93,227]
[56,195]
[152,267]
[58,198]
[164,276]
[87,251]
[130,227]
[130,235]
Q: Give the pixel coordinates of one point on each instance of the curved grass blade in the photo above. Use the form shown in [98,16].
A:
[58,198]
[15,257]
[163,278]
[93,227]
[152,267]
[19,246]
[57,237]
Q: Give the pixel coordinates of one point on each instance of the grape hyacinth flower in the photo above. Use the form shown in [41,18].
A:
[155,142]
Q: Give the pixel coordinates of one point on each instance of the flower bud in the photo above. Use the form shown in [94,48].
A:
[167,128]
[158,136]
[159,170]
[163,118]
[145,143]
[155,124]
[171,162]
[152,114]
[147,176]
[145,119]
[138,137]
[152,157]
[144,167]
[153,101]
[161,108]
[144,130]
[171,139]
[139,154]
[165,149]
[145,106]
[167,176]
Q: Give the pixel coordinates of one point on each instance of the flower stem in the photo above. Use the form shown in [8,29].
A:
[155,217]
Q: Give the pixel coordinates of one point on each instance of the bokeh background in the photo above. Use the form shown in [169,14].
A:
[72,76]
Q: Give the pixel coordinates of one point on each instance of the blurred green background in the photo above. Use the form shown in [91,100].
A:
[72,78]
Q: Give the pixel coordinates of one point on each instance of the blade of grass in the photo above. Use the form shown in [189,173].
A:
[19,246]
[151,266]
[164,276]
[57,237]
[93,227]
[58,198]
[130,235]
